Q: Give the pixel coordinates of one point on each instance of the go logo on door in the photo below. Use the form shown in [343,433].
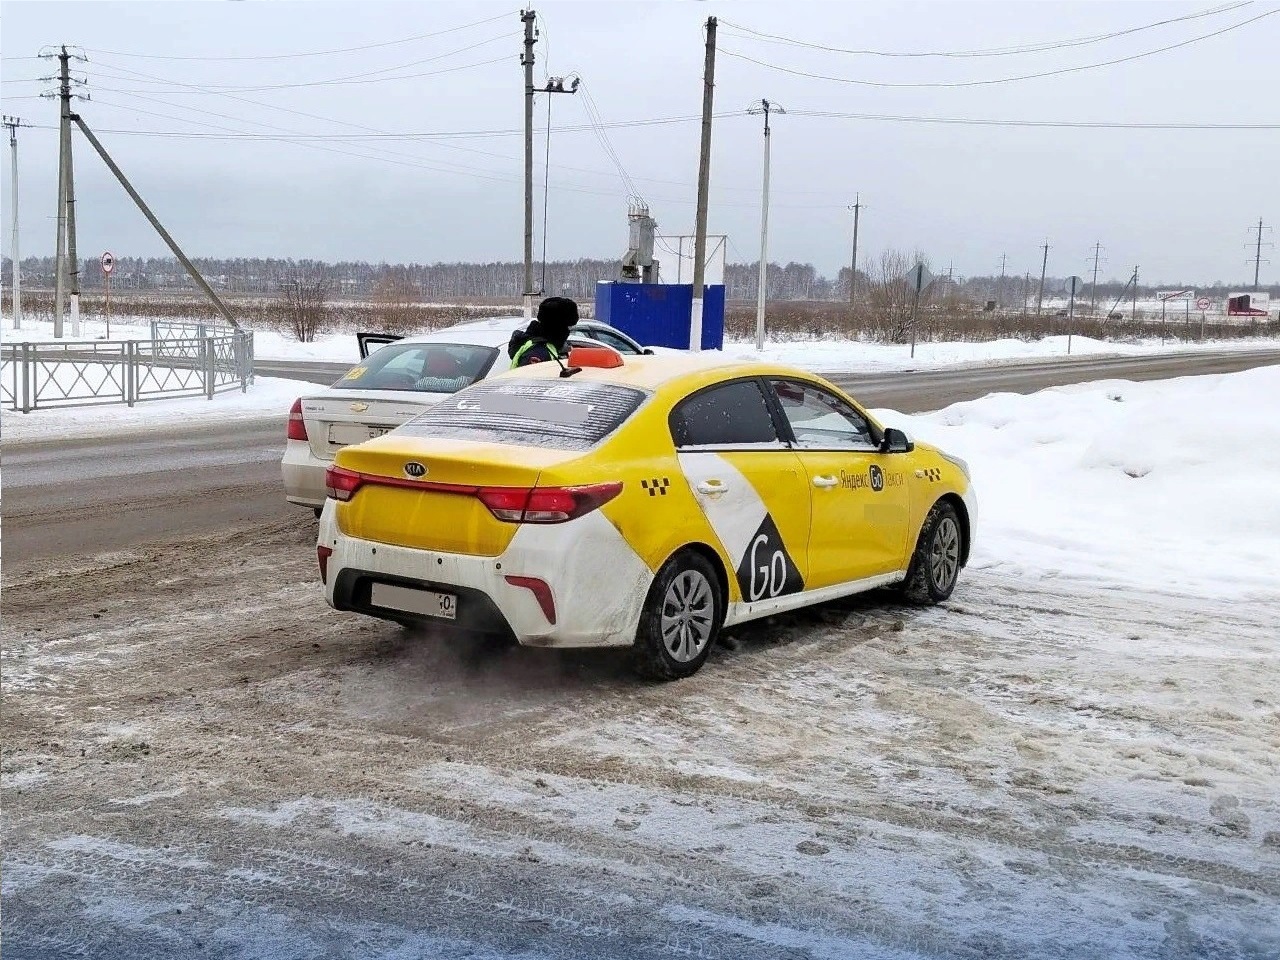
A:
[766,569]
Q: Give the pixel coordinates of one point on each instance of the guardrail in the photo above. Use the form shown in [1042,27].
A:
[79,373]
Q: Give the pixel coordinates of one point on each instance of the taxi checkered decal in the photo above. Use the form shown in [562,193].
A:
[932,473]
[657,487]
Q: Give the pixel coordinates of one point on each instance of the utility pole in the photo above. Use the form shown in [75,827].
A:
[1257,255]
[64,138]
[1093,293]
[1133,315]
[764,107]
[1004,257]
[704,185]
[853,266]
[1044,264]
[1026,294]
[13,123]
[527,17]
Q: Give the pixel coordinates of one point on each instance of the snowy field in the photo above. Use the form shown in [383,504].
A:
[272,396]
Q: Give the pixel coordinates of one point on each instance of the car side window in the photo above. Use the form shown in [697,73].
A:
[615,341]
[731,414]
[820,420]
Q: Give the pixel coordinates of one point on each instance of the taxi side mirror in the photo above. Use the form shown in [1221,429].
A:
[895,441]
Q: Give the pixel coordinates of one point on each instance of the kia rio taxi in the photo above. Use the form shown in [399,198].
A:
[644,502]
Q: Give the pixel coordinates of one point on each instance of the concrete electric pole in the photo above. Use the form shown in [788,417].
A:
[1257,254]
[66,243]
[1004,258]
[527,17]
[704,187]
[13,123]
[1044,264]
[856,207]
[1093,291]
[764,107]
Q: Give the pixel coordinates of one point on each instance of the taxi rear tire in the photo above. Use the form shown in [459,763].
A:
[935,564]
[680,620]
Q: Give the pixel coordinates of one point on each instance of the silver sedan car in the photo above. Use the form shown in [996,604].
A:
[395,382]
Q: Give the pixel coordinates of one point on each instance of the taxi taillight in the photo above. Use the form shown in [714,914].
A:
[546,504]
[342,484]
[509,504]
[297,428]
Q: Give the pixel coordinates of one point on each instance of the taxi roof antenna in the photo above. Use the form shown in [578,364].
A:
[565,371]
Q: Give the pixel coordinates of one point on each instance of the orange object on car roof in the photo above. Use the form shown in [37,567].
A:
[603,358]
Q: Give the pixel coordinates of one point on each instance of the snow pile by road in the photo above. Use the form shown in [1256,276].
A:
[1168,485]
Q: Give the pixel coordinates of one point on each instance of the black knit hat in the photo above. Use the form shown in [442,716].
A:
[556,315]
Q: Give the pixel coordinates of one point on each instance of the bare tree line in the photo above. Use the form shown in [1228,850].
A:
[503,281]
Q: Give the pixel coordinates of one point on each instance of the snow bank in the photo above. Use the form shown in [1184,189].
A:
[1166,484]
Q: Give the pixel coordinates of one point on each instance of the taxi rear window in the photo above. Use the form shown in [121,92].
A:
[561,414]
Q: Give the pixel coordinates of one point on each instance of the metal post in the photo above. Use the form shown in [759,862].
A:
[527,17]
[1093,298]
[28,369]
[1133,316]
[704,184]
[206,357]
[1164,320]
[131,371]
[12,123]
[151,217]
[108,283]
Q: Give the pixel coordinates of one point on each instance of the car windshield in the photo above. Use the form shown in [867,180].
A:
[563,415]
[429,367]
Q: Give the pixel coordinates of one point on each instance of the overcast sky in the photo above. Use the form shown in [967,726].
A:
[1178,203]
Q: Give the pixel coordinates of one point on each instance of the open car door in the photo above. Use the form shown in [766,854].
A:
[369,341]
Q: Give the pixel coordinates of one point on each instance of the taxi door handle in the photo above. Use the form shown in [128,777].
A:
[712,488]
[825,482]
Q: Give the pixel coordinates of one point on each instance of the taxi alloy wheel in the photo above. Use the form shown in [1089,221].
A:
[935,564]
[680,620]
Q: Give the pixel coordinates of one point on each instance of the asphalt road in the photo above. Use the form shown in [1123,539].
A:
[88,496]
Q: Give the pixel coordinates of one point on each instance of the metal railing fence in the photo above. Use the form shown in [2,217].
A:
[79,373]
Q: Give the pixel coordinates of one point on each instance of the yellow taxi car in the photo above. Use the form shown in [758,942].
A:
[644,502]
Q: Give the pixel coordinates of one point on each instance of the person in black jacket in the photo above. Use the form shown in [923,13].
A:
[545,338]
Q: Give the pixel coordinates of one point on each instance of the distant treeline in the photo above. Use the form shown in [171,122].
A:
[444,282]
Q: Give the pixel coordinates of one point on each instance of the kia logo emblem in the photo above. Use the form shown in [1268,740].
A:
[415,469]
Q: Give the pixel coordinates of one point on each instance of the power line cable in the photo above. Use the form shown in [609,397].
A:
[981,83]
[1040,47]
[201,89]
[311,53]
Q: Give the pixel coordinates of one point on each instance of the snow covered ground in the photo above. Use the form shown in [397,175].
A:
[1075,758]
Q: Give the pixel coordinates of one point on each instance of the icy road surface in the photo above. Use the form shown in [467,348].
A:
[202,761]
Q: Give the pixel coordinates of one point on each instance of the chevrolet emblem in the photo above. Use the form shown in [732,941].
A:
[359,407]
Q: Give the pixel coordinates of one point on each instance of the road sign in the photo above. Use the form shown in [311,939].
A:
[918,277]
[1072,285]
[1203,303]
[108,262]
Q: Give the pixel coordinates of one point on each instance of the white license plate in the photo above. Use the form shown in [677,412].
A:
[345,434]
[410,600]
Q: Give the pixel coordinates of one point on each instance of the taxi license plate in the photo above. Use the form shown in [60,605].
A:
[410,600]
[345,434]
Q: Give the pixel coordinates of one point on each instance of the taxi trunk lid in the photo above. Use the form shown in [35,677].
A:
[431,494]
